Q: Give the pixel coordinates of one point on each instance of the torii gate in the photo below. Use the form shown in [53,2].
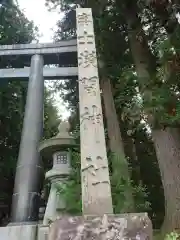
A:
[29,169]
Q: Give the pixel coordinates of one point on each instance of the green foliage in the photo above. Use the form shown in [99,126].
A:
[122,186]
[172,236]
[14,26]
[51,118]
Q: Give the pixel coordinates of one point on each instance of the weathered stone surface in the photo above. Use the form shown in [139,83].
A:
[96,189]
[58,149]
[63,140]
[48,73]
[109,227]
[43,232]
[39,48]
[21,232]
[29,168]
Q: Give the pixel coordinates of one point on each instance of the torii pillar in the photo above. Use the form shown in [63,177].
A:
[26,195]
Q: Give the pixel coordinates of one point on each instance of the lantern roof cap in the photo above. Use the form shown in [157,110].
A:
[63,130]
[62,141]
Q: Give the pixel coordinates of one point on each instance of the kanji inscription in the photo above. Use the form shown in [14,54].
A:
[89,84]
[92,114]
[86,38]
[96,190]
[94,168]
[87,59]
[84,19]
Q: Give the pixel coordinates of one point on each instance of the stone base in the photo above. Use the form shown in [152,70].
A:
[109,227]
[132,226]
[43,232]
[21,232]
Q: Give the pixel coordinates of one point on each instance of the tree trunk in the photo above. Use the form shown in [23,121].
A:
[114,133]
[167,145]
[130,150]
[165,141]
[115,142]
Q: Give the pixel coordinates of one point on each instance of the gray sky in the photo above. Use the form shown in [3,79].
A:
[46,22]
[37,11]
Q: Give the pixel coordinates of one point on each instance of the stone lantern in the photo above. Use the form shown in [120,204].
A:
[58,149]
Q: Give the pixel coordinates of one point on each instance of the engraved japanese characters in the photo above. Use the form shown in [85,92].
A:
[96,190]
[86,38]
[87,58]
[89,84]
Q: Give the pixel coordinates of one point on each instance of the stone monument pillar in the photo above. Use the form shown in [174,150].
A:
[96,190]
[25,207]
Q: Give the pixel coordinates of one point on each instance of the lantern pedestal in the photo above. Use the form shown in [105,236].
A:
[55,204]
